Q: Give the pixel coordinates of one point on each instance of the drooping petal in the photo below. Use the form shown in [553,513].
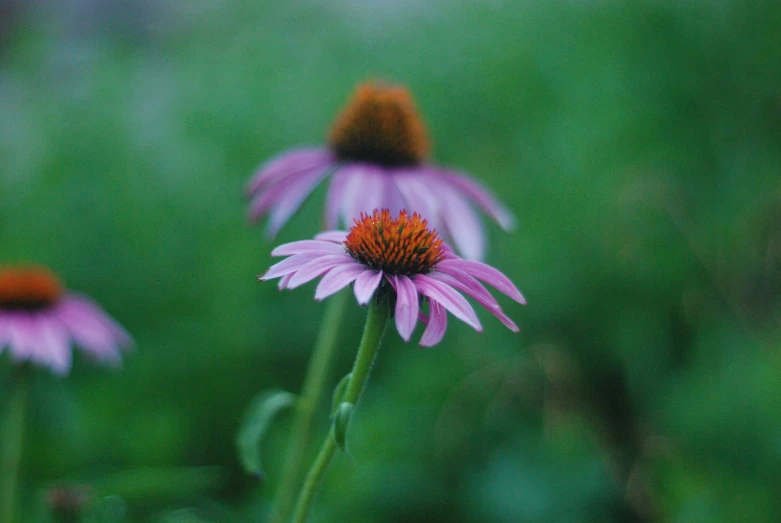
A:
[337,279]
[307,246]
[463,224]
[318,266]
[54,350]
[285,280]
[437,325]
[21,336]
[288,265]
[368,187]
[449,297]
[391,196]
[416,196]
[481,196]
[351,204]
[91,328]
[87,306]
[406,306]
[334,199]
[484,273]
[270,197]
[366,284]
[332,236]
[287,165]
[292,199]
[373,196]
[474,289]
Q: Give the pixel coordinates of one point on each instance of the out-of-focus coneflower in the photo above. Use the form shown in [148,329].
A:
[40,320]
[377,157]
[39,323]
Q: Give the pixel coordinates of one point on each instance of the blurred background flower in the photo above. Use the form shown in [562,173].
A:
[39,322]
[637,143]
[377,157]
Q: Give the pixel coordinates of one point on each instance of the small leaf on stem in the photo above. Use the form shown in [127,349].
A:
[261,412]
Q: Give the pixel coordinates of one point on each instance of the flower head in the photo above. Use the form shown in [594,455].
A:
[405,256]
[377,158]
[400,246]
[39,320]
[380,126]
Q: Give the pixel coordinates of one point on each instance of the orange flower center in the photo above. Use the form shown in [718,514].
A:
[402,246]
[380,125]
[28,288]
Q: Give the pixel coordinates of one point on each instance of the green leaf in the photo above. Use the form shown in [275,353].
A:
[261,412]
[339,391]
[341,421]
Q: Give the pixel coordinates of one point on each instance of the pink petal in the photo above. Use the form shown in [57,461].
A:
[22,340]
[448,297]
[316,267]
[289,188]
[338,278]
[285,280]
[91,328]
[353,194]
[472,288]
[288,164]
[334,199]
[372,196]
[392,198]
[332,236]
[366,284]
[406,306]
[288,265]
[418,199]
[307,246]
[484,273]
[437,325]
[463,224]
[288,203]
[364,190]
[88,306]
[480,195]
[54,350]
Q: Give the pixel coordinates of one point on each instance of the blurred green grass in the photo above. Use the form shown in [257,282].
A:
[637,143]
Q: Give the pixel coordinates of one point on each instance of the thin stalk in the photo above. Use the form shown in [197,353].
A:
[376,320]
[314,386]
[11,451]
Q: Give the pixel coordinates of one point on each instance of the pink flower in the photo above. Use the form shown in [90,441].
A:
[402,255]
[39,321]
[376,159]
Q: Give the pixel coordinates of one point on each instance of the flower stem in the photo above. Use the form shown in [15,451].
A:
[314,386]
[11,440]
[376,320]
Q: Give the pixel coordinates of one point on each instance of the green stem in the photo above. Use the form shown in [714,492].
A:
[312,391]
[11,451]
[376,320]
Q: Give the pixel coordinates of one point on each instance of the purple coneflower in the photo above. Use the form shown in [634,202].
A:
[405,255]
[39,320]
[376,156]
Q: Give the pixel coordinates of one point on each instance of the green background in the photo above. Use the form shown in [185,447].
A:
[638,144]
